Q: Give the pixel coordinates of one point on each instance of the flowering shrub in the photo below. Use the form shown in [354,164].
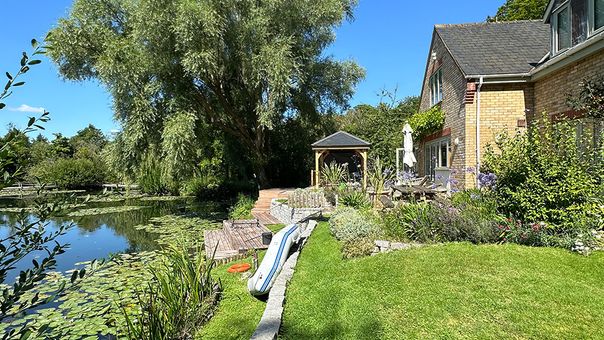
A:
[542,175]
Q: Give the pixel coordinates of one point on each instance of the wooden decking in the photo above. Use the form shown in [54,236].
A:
[238,237]
[263,204]
[235,238]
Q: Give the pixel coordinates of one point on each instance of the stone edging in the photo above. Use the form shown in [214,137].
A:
[269,324]
[289,215]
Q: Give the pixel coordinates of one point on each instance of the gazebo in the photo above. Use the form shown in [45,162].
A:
[342,148]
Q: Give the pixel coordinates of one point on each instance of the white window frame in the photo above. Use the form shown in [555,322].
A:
[429,164]
[591,19]
[554,20]
[436,87]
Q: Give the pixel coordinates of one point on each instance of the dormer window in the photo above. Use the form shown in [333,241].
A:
[598,14]
[562,28]
[574,21]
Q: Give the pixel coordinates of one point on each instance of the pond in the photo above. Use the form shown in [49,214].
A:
[109,232]
[133,230]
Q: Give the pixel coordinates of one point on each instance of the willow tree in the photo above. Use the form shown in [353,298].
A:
[240,66]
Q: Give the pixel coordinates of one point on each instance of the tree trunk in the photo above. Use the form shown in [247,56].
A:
[259,158]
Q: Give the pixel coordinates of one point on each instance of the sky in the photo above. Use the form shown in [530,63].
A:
[388,38]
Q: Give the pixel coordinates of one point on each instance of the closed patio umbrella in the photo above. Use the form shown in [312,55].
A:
[408,157]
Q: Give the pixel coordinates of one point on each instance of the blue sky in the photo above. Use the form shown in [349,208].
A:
[389,38]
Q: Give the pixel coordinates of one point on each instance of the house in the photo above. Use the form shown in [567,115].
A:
[493,77]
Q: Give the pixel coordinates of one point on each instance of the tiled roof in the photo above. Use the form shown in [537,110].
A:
[497,47]
[341,139]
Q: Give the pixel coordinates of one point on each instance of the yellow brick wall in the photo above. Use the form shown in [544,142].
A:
[501,107]
[552,91]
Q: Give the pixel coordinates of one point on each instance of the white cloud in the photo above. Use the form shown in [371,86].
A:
[26,108]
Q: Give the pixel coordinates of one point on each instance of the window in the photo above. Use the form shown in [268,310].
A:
[436,87]
[562,28]
[579,15]
[436,155]
[598,19]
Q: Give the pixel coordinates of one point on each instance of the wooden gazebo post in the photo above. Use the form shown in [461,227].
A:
[339,141]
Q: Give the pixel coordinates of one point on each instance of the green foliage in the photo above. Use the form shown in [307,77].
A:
[355,199]
[379,177]
[149,177]
[179,147]
[381,125]
[415,221]
[514,10]
[355,231]
[70,173]
[548,174]
[427,122]
[242,209]
[470,216]
[333,174]
[179,299]
[590,98]
[238,66]
[89,138]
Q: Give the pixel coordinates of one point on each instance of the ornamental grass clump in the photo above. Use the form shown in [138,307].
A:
[180,298]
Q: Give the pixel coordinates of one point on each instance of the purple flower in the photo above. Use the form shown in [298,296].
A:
[487,180]
[471,170]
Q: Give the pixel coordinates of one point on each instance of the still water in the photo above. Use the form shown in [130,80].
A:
[98,236]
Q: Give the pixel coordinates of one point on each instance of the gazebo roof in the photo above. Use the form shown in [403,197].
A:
[341,140]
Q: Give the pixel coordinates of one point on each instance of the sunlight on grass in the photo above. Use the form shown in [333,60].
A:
[454,290]
[238,312]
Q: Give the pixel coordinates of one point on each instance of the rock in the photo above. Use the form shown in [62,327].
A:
[382,244]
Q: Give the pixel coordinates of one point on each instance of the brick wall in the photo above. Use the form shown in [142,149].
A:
[454,89]
[552,91]
[501,109]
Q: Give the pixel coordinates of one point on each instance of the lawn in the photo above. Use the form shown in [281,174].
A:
[455,290]
[238,312]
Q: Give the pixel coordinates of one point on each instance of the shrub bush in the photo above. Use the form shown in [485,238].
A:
[355,230]
[548,174]
[242,209]
[465,219]
[210,187]
[70,173]
[354,199]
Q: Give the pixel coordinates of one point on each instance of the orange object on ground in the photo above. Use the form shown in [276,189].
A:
[239,268]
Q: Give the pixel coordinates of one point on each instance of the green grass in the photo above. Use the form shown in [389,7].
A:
[444,291]
[275,227]
[238,312]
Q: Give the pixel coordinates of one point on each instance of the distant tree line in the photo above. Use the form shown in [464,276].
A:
[70,163]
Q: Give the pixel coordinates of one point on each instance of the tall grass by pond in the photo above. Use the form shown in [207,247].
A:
[180,297]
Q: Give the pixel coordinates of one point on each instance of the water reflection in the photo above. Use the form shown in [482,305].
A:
[98,236]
